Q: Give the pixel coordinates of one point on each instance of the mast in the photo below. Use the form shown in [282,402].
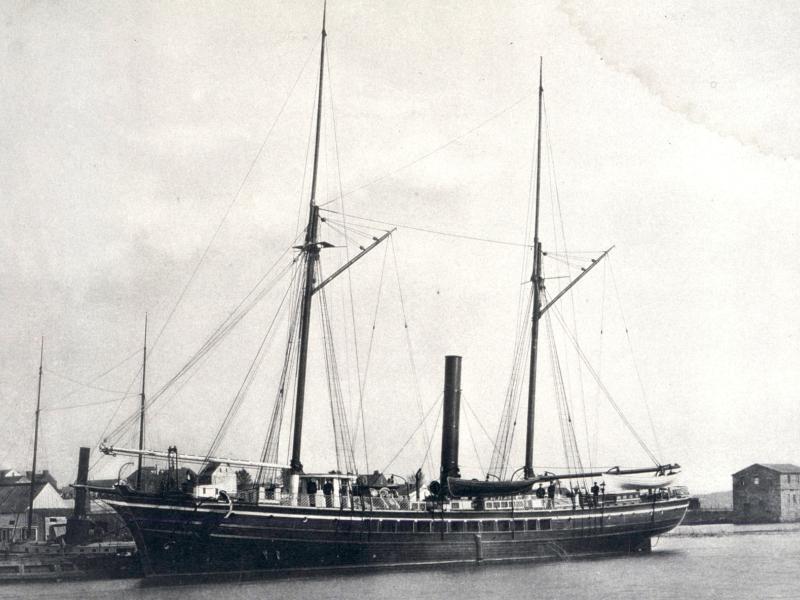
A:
[537,282]
[35,441]
[311,250]
[141,407]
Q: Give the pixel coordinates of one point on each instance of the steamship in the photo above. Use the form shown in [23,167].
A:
[290,520]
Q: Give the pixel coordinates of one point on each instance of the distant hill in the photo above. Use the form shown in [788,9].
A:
[716,500]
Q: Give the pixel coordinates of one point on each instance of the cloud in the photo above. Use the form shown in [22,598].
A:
[728,67]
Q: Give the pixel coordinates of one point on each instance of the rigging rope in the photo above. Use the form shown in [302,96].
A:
[97,403]
[605,391]
[360,384]
[81,383]
[633,360]
[186,370]
[366,366]
[247,381]
[553,182]
[230,205]
[233,319]
[415,377]
[136,352]
[433,231]
[271,447]
[345,456]
[343,227]
[600,369]
[133,416]
[435,150]
[413,433]
[474,447]
[503,443]
[478,420]
[569,441]
[301,204]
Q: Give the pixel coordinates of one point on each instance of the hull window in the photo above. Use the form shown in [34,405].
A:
[405,526]
[388,526]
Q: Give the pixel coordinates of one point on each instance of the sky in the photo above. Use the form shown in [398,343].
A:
[155,160]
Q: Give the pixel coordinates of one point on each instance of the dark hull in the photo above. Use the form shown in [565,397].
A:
[181,538]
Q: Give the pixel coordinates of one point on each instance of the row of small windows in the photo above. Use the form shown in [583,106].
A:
[471,526]
[495,525]
[476,526]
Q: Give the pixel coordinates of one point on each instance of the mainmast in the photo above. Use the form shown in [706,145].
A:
[35,441]
[141,407]
[311,250]
[537,281]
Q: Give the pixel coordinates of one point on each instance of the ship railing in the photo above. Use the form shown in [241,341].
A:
[392,502]
[342,501]
[679,491]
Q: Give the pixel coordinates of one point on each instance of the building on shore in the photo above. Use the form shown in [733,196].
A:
[214,478]
[767,493]
[49,509]
[155,480]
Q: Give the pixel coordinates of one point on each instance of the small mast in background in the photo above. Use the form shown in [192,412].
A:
[35,441]
[142,407]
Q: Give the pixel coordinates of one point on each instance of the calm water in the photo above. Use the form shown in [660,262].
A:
[711,562]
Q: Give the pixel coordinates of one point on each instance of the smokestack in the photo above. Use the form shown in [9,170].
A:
[450,417]
[78,525]
[83,479]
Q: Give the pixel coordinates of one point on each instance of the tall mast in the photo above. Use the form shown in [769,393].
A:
[141,407]
[35,441]
[311,250]
[537,282]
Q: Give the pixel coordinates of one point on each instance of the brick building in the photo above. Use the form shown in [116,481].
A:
[767,493]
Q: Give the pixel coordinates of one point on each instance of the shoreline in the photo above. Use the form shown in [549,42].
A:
[729,529]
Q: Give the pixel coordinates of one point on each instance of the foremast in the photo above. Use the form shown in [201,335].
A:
[311,251]
[537,281]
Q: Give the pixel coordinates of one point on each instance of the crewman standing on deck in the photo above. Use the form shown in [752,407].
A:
[595,493]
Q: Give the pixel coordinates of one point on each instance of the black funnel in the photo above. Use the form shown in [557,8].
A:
[450,417]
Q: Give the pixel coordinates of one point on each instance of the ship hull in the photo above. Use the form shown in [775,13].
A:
[181,538]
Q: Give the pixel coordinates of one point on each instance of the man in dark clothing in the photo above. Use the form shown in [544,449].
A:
[540,491]
[595,493]
[551,494]
[327,489]
[311,488]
